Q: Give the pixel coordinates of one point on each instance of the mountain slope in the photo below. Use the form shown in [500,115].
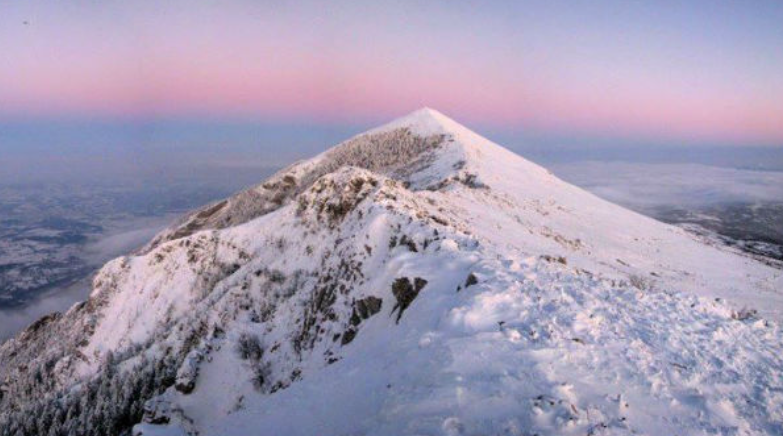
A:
[416,279]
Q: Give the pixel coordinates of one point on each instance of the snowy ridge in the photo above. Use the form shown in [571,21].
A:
[401,148]
[415,279]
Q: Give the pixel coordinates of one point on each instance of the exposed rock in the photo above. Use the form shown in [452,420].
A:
[552,259]
[471,280]
[368,306]
[405,292]
[408,242]
[332,197]
[471,181]
[365,308]
[188,372]
[348,336]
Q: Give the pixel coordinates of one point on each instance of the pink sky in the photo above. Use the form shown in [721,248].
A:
[686,74]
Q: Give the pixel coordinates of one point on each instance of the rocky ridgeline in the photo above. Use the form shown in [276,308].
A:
[390,153]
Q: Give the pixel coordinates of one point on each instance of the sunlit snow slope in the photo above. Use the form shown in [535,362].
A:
[419,279]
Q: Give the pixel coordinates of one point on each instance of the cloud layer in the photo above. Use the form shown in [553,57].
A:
[646,186]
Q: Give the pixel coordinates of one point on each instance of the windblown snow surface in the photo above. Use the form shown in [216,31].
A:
[421,280]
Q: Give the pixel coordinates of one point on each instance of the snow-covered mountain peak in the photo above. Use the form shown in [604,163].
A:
[425,121]
[424,150]
[483,157]
[414,279]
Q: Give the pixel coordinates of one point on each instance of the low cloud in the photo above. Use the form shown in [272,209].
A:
[647,186]
[14,320]
[132,234]
[116,242]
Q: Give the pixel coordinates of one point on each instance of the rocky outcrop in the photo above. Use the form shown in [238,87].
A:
[405,292]
[365,308]
[188,372]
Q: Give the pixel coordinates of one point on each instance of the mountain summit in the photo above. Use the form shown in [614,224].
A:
[414,279]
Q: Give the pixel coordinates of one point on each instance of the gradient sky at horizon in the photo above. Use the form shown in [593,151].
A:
[665,71]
